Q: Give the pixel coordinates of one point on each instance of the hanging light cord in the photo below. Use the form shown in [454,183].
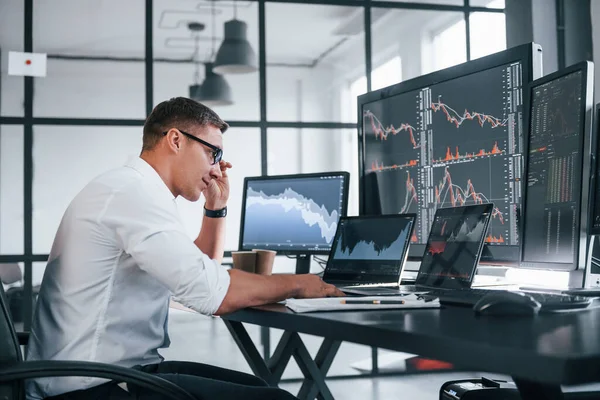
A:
[234,9]
[196,58]
[214,34]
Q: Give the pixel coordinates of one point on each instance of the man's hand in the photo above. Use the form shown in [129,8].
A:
[217,193]
[311,286]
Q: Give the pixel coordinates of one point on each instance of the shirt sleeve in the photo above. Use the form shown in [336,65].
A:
[148,228]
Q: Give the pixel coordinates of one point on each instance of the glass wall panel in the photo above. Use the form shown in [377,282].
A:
[11,39]
[310,68]
[487,3]
[11,189]
[102,87]
[488,33]
[65,159]
[69,157]
[178,65]
[431,40]
[444,2]
[293,151]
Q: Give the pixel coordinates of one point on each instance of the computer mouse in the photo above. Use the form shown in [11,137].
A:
[505,303]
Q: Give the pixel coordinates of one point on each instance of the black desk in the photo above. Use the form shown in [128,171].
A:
[540,353]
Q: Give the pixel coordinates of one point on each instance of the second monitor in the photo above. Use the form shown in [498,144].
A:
[293,214]
[558,169]
[450,138]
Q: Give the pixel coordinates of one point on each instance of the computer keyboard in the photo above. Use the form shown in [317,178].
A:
[379,290]
[549,301]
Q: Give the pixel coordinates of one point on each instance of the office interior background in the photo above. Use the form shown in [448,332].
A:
[110,62]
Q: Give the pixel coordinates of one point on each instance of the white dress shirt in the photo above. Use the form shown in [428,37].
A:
[119,253]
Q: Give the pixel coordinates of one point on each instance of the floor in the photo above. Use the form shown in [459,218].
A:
[205,339]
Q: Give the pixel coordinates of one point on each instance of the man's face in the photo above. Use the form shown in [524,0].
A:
[196,167]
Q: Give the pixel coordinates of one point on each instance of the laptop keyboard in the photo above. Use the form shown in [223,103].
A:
[380,290]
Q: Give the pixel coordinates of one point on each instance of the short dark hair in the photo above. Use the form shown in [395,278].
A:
[178,112]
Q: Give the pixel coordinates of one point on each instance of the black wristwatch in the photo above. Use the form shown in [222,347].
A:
[216,213]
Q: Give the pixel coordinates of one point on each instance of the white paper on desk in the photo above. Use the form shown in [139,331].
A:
[335,304]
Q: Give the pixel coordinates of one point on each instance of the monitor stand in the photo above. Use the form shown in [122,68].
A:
[303,264]
[586,281]
[589,280]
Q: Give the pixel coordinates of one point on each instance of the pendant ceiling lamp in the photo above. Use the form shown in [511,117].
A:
[214,90]
[235,56]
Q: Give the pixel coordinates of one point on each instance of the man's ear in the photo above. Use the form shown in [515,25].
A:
[174,138]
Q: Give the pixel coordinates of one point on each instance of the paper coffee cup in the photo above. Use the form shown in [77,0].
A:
[264,261]
[244,260]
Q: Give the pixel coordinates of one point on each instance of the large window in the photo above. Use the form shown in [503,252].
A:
[181,54]
[448,47]
[321,150]
[307,68]
[83,42]
[488,31]
[65,159]
[11,39]
[385,75]
[11,189]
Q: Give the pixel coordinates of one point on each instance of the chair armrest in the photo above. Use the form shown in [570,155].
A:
[43,369]
[23,338]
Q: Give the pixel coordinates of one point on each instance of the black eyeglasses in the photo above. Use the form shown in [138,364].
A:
[217,153]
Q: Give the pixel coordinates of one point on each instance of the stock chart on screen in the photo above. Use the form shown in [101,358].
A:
[371,245]
[555,170]
[372,240]
[453,143]
[297,213]
[454,244]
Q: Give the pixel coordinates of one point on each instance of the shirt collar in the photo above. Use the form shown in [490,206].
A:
[149,173]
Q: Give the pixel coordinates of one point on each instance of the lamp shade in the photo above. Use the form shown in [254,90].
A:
[235,56]
[214,91]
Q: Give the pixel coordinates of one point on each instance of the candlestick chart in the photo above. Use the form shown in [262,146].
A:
[445,146]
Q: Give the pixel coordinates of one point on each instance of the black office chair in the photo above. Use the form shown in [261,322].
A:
[14,371]
[10,273]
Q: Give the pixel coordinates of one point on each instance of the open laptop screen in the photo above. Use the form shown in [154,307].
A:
[370,249]
[454,246]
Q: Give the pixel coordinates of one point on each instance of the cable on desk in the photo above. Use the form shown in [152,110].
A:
[321,261]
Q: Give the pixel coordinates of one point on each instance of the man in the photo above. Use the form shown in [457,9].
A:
[121,251]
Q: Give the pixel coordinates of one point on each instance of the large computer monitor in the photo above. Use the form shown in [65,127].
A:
[450,138]
[592,275]
[594,222]
[293,214]
[558,169]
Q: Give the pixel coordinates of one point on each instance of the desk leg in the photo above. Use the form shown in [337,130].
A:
[244,342]
[265,340]
[291,344]
[374,360]
[533,390]
[323,362]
